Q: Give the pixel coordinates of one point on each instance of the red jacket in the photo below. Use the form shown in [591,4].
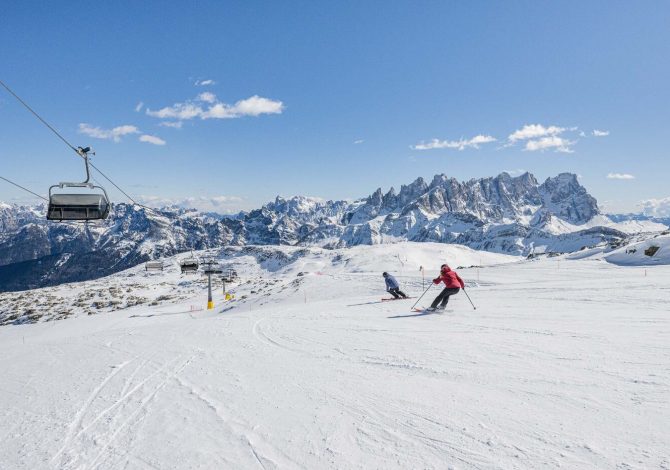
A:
[450,279]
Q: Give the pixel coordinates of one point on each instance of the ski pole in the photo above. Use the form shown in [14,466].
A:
[466,294]
[424,293]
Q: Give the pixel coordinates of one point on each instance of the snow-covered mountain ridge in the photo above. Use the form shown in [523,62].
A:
[503,214]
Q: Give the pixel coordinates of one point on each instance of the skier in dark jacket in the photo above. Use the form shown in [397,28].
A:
[453,283]
[393,287]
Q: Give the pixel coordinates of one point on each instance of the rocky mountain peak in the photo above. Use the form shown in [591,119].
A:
[566,198]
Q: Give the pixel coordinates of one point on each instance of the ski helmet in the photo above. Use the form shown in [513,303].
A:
[385,274]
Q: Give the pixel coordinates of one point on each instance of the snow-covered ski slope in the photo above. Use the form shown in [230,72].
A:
[565,363]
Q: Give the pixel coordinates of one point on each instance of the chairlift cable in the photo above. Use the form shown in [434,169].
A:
[117,186]
[121,190]
[39,117]
[25,189]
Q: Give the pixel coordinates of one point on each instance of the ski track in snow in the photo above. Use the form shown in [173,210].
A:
[75,426]
[74,449]
[560,366]
[106,447]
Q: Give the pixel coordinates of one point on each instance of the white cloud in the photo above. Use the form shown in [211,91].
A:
[139,106]
[656,207]
[531,137]
[481,139]
[556,143]
[218,111]
[517,172]
[207,97]
[152,139]
[218,204]
[533,131]
[114,134]
[205,82]
[214,109]
[177,111]
[460,144]
[540,138]
[255,106]
[620,176]
[359,141]
[173,124]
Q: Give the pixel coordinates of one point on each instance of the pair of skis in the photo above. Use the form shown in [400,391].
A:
[431,285]
[430,310]
[415,309]
[388,299]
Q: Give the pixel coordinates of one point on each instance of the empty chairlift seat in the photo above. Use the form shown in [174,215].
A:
[94,206]
[189,265]
[154,265]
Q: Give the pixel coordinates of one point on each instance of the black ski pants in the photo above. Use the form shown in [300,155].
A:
[444,296]
[397,293]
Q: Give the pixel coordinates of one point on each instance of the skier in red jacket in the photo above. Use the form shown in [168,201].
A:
[453,283]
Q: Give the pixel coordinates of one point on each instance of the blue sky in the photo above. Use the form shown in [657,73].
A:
[335,99]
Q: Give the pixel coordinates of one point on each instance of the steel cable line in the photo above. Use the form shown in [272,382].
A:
[25,189]
[122,191]
[39,117]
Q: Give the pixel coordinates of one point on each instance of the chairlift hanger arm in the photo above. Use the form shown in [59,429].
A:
[83,153]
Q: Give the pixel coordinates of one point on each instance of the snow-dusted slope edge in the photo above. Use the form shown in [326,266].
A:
[563,364]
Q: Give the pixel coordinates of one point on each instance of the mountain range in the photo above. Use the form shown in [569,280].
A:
[504,214]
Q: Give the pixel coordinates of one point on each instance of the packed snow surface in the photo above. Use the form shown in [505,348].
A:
[565,363]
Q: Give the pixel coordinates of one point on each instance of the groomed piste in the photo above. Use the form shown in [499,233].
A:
[563,364]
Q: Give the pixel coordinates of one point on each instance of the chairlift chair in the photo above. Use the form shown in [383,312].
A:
[78,206]
[189,265]
[156,265]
